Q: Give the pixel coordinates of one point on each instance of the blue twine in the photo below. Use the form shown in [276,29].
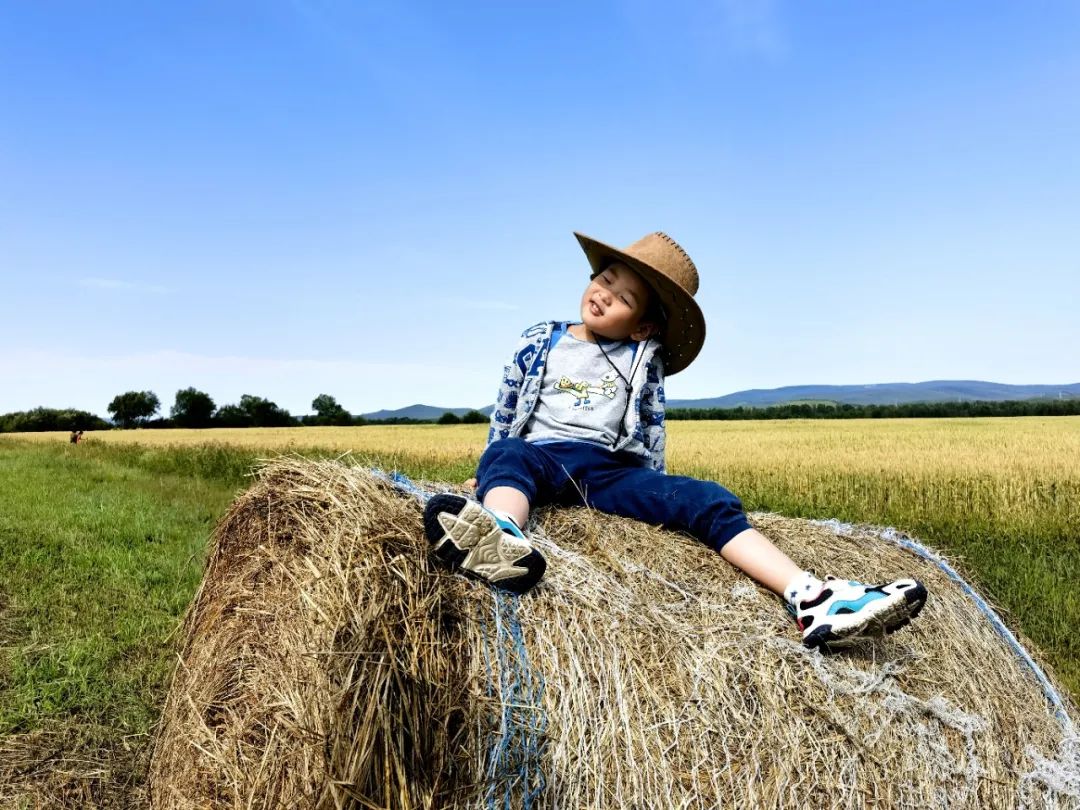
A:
[515,757]
[403,482]
[902,540]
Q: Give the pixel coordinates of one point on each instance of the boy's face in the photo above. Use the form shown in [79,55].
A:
[614,304]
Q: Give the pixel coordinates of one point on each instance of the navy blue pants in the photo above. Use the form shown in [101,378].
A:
[578,473]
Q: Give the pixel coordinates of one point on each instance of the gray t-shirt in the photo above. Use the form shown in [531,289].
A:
[582,398]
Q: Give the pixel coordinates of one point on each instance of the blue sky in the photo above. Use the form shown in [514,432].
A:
[372,200]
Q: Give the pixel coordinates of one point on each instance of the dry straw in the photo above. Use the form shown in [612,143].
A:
[325,663]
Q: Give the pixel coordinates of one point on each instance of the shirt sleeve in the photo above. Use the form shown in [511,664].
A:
[505,410]
[652,413]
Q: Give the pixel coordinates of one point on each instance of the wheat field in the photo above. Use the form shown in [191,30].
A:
[1017,478]
[1016,474]
[1032,443]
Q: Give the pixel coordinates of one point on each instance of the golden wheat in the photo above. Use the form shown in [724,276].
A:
[1019,472]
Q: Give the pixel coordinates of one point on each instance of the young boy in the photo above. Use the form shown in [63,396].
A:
[580,420]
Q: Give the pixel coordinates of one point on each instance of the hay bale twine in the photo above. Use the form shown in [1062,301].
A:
[326,663]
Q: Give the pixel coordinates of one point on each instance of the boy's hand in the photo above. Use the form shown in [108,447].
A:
[471,483]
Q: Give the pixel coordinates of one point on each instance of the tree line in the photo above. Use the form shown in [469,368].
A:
[196,409]
[915,410]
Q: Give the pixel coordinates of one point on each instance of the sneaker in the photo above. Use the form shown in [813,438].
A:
[845,612]
[467,537]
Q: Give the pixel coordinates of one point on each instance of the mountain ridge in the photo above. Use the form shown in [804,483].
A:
[867,394]
[883,394]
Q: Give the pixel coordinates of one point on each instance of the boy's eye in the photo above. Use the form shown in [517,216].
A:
[623,299]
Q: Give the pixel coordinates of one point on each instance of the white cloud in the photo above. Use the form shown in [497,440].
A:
[117,284]
[59,379]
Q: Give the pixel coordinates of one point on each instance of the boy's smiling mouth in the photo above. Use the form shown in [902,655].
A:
[595,308]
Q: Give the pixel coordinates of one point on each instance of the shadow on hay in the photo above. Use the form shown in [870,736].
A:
[322,661]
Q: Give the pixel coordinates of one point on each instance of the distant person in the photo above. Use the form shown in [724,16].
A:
[579,420]
[74,438]
[79,437]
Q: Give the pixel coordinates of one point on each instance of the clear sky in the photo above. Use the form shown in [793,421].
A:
[372,200]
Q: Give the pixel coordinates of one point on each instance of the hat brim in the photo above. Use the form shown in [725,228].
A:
[683,333]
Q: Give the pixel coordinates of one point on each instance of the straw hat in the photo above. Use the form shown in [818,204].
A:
[665,267]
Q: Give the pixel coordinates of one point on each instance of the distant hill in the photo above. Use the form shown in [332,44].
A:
[422,412]
[877,394]
[882,394]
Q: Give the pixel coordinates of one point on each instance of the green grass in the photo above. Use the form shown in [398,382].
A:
[98,561]
[232,464]
[102,546]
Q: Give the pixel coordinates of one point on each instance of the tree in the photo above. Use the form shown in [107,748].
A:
[51,419]
[449,418]
[232,416]
[474,418]
[193,409]
[253,411]
[328,412]
[265,413]
[133,407]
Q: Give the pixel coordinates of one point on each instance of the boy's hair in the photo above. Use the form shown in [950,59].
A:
[654,312]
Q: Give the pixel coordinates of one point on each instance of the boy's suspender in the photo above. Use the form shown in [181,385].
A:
[556,333]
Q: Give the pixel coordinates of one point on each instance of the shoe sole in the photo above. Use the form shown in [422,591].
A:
[477,552]
[891,618]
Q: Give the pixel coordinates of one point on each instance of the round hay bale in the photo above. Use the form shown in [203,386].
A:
[326,663]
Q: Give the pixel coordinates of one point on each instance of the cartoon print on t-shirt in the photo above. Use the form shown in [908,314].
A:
[582,390]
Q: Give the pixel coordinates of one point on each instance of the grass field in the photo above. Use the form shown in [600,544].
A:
[98,560]
[101,544]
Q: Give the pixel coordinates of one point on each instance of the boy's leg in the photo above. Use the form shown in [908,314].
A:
[469,538]
[487,541]
[755,555]
[510,502]
[514,475]
[703,509]
[829,614]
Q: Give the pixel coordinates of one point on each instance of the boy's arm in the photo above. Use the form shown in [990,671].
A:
[652,413]
[505,410]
